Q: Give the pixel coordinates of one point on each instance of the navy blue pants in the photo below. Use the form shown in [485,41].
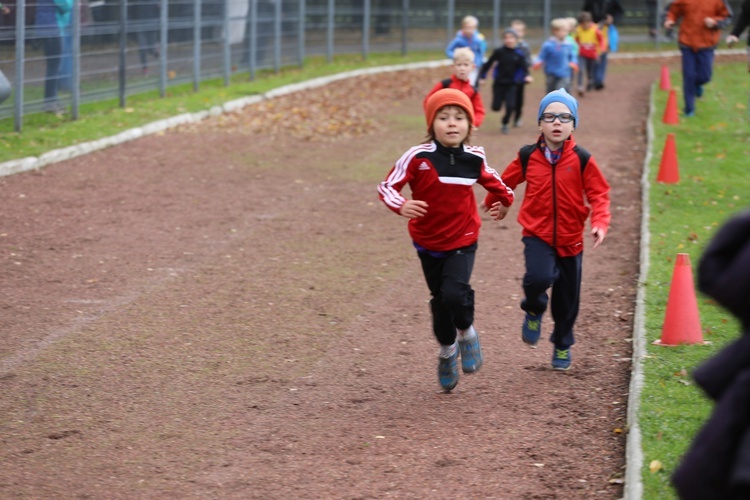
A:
[53,47]
[545,269]
[452,302]
[697,67]
[504,94]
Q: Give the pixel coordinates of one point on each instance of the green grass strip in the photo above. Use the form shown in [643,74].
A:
[44,132]
[712,151]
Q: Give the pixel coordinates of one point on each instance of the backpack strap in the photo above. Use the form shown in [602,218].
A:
[524,154]
[447,83]
[526,151]
[583,156]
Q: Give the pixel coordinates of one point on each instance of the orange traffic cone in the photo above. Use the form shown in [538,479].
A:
[665,83]
[668,169]
[681,321]
[670,112]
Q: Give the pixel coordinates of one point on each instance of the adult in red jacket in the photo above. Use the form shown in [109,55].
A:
[701,22]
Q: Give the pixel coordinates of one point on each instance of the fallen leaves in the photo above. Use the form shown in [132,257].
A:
[325,113]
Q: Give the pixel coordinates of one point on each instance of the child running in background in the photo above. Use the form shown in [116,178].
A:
[510,70]
[469,36]
[444,222]
[572,25]
[590,45]
[520,28]
[611,39]
[557,57]
[463,66]
[563,186]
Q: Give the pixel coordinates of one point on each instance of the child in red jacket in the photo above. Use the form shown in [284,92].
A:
[463,66]
[563,186]
[444,222]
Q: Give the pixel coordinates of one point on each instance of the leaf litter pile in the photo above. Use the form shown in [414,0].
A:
[346,108]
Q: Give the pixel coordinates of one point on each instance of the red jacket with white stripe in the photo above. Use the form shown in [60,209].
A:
[444,178]
[559,198]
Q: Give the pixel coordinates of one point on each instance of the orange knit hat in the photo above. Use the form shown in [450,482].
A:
[447,97]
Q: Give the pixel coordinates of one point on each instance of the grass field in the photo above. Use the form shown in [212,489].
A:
[713,185]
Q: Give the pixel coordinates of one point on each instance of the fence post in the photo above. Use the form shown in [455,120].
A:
[547,20]
[451,15]
[163,41]
[123,51]
[277,37]
[196,44]
[329,32]
[20,63]
[657,24]
[301,33]
[226,47]
[76,59]
[252,42]
[366,8]
[496,23]
[405,28]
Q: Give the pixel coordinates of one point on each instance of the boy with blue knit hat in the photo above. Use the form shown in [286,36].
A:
[563,186]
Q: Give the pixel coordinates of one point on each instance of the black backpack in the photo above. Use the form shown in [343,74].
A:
[525,153]
[447,83]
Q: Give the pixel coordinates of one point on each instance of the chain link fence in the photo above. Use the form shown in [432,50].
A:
[110,49]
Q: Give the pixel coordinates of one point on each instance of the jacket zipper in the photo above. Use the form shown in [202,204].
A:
[554,203]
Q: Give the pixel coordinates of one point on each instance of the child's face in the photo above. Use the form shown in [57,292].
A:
[520,29]
[560,33]
[462,68]
[451,126]
[469,29]
[510,41]
[586,24]
[556,132]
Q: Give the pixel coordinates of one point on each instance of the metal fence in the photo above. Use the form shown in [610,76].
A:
[111,49]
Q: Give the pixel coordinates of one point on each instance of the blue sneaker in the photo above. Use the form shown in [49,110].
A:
[471,354]
[561,359]
[689,114]
[699,91]
[448,371]
[531,329]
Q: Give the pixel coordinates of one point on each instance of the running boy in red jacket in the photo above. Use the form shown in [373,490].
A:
[444,222]
[563,186]
[463,66]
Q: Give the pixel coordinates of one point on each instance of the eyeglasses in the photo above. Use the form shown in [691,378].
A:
[550,117]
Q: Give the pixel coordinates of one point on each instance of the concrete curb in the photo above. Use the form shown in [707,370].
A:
[633,450]
[67,153]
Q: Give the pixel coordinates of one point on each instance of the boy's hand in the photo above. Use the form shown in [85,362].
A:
[731,40]
[529,79]
[497,212]
[599,234]
[412,209]
[574,66]
[536,65]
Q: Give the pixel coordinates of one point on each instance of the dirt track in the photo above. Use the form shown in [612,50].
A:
[227,311]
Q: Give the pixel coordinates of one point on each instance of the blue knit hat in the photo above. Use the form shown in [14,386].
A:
[560,95]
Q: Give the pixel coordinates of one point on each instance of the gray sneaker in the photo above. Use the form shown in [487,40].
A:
[448,371]
[471,354]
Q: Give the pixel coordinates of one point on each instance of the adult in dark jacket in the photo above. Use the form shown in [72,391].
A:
[717,465]
[52,18]
[601,8]
[743,20]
